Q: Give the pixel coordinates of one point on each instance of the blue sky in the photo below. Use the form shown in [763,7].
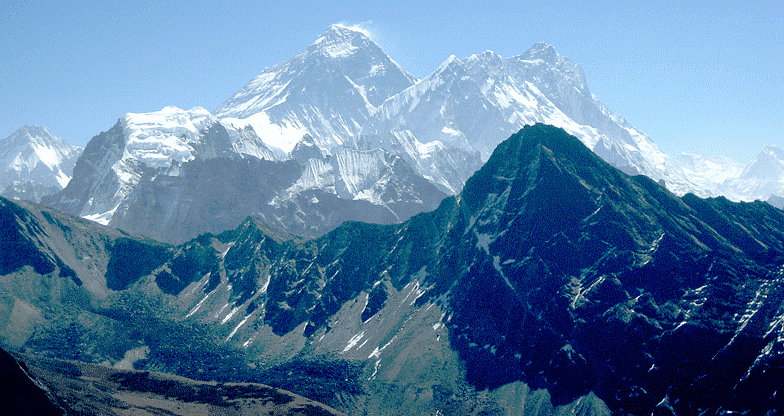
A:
[703,77]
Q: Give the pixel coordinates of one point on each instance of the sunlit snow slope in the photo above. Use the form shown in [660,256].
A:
[34,162]
[329,90]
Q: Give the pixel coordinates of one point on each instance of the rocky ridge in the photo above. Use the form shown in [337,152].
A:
[553,283]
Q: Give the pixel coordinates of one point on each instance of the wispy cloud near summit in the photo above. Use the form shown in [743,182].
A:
[363,27]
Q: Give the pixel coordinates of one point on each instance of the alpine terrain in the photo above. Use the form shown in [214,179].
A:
[328,91]
[345,92]
[761,179]
[174,174]
[35,163]
[342,132]
[553,283]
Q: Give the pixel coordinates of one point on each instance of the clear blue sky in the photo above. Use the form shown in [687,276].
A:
[704,77]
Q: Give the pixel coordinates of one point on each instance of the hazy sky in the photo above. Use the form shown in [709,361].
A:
[703,77]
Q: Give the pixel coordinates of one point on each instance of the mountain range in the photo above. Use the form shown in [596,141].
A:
[467,105]
[344,94]
[552,284]
[175,174]
[491,239]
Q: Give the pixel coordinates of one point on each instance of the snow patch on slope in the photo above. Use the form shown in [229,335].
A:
[159,139]
[280,137]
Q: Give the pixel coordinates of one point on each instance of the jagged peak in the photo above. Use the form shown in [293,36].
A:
[253,225]
[50,148]
[35,134]
[486,61]
[772,151]
[486,56]
[306,149]
[340,41]
[307,140]
[33,131]
[451,62]
[768,155]
[768,163]
[553,61]
[543,51]
[523,151]
[340,29]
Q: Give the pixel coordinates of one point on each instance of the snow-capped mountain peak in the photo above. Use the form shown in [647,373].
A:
[145,145]
[543,51]
[762,178]
[328,91]
[488,61]
[34,157]
[36,144]
[172,136]
[340,41]
[160,138]
[450,61]
[769,162]
[548,68]
[487,56]
[474,103]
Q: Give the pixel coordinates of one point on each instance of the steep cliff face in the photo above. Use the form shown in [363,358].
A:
[553,283]
[97,186]
[305,199]
[147,145]
[174,174]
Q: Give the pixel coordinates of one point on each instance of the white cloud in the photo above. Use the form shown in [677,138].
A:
[363,27]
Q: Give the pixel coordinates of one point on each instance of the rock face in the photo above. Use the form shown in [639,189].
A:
[553,284]
[305,199]
[174,174]
[144,145]
[776,201]
[35,163]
